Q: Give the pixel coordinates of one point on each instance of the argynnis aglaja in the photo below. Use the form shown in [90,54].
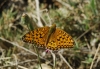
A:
[49,37]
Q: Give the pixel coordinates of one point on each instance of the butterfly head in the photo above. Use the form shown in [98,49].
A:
[52,28]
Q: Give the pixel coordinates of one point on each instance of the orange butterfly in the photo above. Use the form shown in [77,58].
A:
[49,37]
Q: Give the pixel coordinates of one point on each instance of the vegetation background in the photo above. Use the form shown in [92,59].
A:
[79,18]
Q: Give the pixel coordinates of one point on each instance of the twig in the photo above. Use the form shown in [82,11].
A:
[95,56]
[22,67]
[26,61]
[15,44]
[65,60]
[16,63]
[86,32]
[38,56]
[65,4]
[54,59]
[6,58]
[49,18]
[38,13]
[12,64]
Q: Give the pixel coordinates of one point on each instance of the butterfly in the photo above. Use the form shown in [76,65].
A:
[51,38]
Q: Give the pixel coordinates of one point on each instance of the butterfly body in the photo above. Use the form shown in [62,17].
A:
[49,37]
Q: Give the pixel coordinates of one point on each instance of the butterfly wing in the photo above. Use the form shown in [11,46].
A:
[64,40]
[37,36]
[60,39]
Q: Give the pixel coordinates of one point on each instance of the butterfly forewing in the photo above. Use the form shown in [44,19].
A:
[64,40]
[28,38]
[37,36]
[60,39]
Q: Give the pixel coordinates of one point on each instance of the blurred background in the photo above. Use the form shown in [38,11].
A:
[79,18]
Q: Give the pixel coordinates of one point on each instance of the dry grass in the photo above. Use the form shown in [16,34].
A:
[80,18]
